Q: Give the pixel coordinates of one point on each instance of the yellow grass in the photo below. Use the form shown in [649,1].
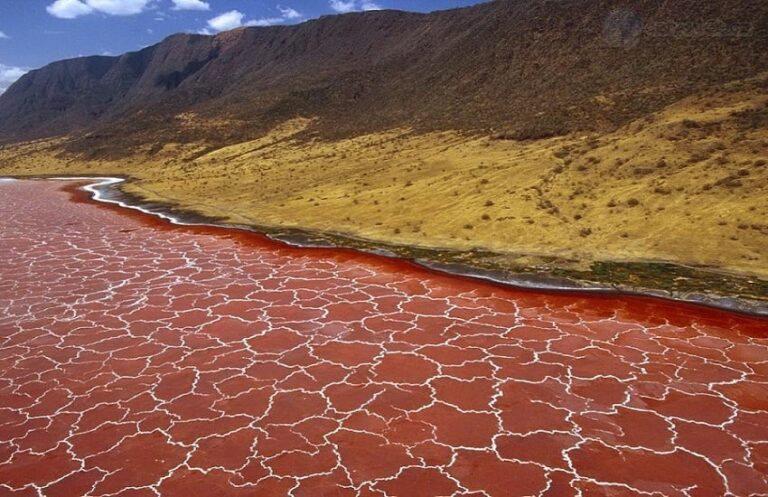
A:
[659,189]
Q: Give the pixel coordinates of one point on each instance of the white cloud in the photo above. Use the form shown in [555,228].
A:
[8,75]
[289,13]
[344,6]
[265,21]
[190,5]
[341,6]
[4,36]
[119,7]
[70,9]
[236,19]
[226,21]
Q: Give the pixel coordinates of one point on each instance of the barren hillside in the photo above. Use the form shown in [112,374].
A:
[528,68]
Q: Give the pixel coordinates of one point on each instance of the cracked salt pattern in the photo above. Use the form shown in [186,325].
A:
[143,359]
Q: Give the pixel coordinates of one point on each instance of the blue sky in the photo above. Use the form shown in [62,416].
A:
[36,32]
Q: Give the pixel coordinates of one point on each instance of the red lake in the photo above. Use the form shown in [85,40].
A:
[140,358]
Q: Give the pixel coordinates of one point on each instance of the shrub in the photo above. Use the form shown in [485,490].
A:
[751,118]
[698,157]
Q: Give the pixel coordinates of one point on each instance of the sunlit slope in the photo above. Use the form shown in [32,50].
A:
[687,184]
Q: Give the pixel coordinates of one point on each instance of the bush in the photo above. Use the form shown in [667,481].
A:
[543,127]
[698,157]
[751,119]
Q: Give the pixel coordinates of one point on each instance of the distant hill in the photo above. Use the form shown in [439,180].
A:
[518,68]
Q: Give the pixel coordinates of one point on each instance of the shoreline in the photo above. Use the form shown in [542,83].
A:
[106,190]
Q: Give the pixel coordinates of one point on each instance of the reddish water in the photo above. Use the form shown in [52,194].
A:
[142,359]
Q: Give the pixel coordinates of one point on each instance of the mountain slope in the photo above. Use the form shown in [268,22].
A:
[530,67]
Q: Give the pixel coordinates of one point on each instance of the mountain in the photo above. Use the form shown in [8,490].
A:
[518,68]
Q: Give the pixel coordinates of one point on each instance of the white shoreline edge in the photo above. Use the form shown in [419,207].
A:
[104,182]
[101,184]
